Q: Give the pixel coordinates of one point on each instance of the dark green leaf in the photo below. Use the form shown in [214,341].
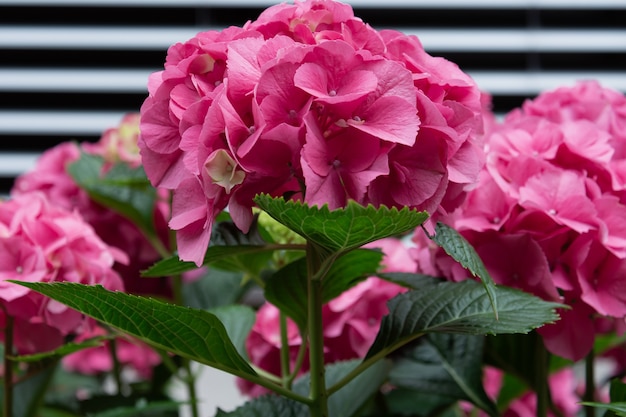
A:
[457,307]
[353,395]
[287,288]
[406,402]
[156,409]
[267,406]
[174,266]
[461,251]
[445,365]
[28,393]
[124,189]
[194,334]
[617,391]
[341,229]
[516,355]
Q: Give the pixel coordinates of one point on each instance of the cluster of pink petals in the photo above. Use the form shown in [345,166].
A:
[311,103]
[547,215]
[351,321]
[130,353]
[41,242]
[117,145]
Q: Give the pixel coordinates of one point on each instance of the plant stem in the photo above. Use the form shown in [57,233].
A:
[319,397]
[284,351]
[541,377]
[117,374]
[590,388]
[8,365]
[190,380]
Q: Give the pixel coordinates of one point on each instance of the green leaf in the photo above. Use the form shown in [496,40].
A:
[238,321]
[155,409]
[516,355]
[617,391]
[342,229]
[287,287]
[618,408]
[28,393]
[62,350]
[215,289]
[350,398]
[287,290]
[445,365]
[461,251]
[407,402]
[437,306]
[124,189]
[266,406]
[194,334]
[174,266]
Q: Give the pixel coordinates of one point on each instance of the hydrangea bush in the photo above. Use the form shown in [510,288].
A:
[276,211]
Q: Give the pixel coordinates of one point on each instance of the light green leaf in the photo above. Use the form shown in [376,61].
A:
[267,406]
[215,289]
[124,189]
[437,306]
[62,350]
[342,229]
[350,398]
[618,408]
[445,365]
[287,288]
[461,251]
[194,334]
[238,321]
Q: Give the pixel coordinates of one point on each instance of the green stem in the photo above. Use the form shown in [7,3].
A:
[284,351]
[8,364]
[190,381]
[541,378]
[117,369]
[318,394]
[299,361]
[590,387]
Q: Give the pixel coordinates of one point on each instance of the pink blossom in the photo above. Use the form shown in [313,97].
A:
[351,321]
[547,214]
[44,243]
[117,145]
[307,102]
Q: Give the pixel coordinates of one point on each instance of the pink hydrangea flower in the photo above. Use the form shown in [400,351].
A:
[41,242]
[311,103]
[117,145]
[351,321]
[131,354]
[547,214]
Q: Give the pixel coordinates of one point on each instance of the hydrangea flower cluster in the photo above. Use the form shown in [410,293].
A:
[351,321]
[547,215]
[41,242]
[50,176]
[311,103]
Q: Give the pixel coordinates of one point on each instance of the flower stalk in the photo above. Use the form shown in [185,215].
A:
[318,393]
[8,365]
